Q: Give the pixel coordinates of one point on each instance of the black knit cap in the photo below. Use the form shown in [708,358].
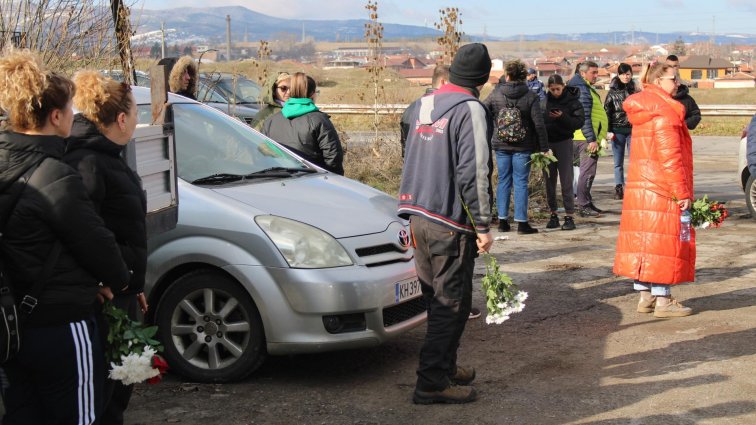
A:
[471,66]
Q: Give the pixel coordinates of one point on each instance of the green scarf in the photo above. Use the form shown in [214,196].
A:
[298,106]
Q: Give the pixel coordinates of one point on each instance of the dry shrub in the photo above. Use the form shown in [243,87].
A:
[377,164]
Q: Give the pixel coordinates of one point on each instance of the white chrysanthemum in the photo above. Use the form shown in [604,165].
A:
[706,225]
[134,368]
[521,296]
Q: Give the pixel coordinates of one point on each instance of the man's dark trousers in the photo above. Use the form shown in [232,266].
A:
[444,260]
[588,165]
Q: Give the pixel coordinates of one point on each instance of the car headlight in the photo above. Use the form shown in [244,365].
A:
[302,245]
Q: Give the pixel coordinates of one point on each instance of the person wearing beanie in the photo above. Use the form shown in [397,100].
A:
[448,144]
[535,85]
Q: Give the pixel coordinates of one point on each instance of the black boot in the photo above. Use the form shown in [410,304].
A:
[523,228]
[553,222]
[619,192]
[503,225]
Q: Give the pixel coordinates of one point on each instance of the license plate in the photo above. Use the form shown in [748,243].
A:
[406,290]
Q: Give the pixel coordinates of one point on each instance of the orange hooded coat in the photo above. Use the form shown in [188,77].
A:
[660,173]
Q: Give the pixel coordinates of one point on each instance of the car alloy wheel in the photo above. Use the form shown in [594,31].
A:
[210,328]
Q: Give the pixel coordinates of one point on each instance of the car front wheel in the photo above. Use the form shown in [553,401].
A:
[750,195]
[210,328]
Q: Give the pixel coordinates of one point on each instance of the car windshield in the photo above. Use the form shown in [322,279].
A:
[210,143]
[245,90]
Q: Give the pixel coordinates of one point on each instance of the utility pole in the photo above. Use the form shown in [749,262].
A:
[162,39]
[228,38]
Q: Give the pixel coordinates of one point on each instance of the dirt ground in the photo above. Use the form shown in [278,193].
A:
[577,354]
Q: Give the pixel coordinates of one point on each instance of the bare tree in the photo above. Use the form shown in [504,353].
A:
[449,21]
[374,38]
[68,34]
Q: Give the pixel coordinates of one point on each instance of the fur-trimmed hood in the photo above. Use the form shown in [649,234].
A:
[174,80]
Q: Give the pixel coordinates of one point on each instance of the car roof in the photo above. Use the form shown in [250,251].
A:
[142,96]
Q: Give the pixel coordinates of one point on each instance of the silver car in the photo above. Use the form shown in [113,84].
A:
[271,255]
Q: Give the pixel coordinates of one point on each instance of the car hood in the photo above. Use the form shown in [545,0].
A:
[340,206]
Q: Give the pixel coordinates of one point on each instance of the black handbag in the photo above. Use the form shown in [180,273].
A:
[13,314]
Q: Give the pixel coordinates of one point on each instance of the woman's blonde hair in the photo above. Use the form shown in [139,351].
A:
[652,72]
[100,99]
[185,63]
[28,92]
[302,85]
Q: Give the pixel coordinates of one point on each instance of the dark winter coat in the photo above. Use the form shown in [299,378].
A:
[405,123]
[115,190]
[54,206]
[312,136]
[572,117]
[618,92]
[596,122]
[692,112]
[517,93]
[448,160]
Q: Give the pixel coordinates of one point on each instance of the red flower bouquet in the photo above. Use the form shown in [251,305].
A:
[707,213]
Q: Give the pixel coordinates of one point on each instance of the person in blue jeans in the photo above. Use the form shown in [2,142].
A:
[513,157]
[620,88]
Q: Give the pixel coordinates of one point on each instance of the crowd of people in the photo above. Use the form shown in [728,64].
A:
[450,138]
[73,213]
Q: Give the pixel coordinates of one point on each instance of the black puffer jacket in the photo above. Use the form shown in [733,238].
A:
[312,136]
[618,92]
[116,192]
[572,117]
[529,105]
[54,206]
[692,112]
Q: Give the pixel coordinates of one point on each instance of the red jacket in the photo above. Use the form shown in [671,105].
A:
[660,172]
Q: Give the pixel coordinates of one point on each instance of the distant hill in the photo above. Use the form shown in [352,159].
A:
[627,37]
[210,24]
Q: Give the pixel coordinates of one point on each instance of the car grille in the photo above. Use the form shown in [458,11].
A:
[380,255]
[404,311]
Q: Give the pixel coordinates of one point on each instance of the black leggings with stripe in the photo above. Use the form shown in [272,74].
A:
[56,377]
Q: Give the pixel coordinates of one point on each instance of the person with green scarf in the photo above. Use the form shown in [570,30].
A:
[304,129]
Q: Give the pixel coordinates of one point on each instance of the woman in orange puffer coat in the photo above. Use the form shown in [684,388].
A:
[659,188]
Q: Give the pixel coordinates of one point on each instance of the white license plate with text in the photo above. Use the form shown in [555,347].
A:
[406,290]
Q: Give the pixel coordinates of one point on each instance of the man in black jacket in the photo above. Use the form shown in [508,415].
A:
[446,195]
[440,77]
[692,112]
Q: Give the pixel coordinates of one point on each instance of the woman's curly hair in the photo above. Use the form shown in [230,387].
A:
[28,92]
[516,70]
[100,99]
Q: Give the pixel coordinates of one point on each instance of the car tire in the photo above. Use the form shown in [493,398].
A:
[750,195]
[210,328]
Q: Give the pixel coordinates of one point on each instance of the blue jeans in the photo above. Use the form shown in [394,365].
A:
[513,166]
[620,145]
[656,290]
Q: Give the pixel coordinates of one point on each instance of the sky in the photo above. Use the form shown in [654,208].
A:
[504,18]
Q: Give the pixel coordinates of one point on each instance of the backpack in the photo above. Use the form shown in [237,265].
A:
[509,126]
[13,313]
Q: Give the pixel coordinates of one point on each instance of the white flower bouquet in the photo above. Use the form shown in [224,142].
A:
[131,349]
[503,297]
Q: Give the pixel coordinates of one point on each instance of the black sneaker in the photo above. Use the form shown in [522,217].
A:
[594,208]
[503,225]
[587,212]
[553,222]
[569,223]
[523,228]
